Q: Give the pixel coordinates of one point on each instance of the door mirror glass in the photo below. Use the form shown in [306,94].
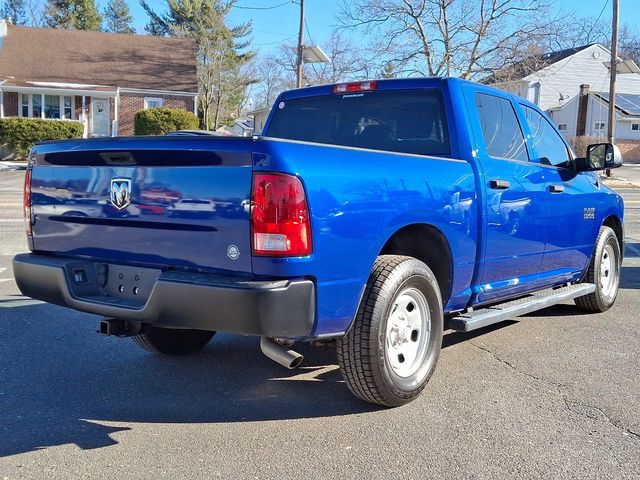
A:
[600,156]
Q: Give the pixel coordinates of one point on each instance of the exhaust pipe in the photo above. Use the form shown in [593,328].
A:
[276,352]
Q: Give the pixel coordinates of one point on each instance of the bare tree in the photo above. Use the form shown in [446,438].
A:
[273,78]
[466,38]
[347,62]
[587,30]
[277,72]
[36,12]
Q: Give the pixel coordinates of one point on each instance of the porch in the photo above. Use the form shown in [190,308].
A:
[95,106]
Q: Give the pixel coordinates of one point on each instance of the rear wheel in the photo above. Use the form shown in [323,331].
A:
[172,341]
[604,272]
[392,348]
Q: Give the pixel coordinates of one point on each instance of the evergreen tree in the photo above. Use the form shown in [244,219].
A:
[387,71]
[221,52]
[73,15]
[117,18]
[14,10]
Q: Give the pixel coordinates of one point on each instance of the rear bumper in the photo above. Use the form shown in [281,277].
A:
[279,308]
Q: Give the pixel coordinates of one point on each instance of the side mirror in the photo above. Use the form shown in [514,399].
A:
[600,156]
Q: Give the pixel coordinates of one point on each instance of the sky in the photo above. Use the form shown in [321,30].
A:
[272,26]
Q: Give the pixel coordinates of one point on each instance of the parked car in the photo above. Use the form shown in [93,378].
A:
[192,207]
[370,215]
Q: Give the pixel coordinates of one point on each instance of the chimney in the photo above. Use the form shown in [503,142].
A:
[583,102]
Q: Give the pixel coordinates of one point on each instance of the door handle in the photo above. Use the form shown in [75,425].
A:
[497,184]
[556,188]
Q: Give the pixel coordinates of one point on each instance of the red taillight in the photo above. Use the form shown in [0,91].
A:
[355,87]
[27,202]
[280,216]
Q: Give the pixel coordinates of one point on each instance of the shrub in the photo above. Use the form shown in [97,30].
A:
[21,133]
[159,121]
[581,143]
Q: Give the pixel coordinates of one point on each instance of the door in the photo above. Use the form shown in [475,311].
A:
[513,189]
[570,199]
[100,117]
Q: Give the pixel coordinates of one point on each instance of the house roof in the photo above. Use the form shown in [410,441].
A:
[519,70]
[626,104]
[96,58]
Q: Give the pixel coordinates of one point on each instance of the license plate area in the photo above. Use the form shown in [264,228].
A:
[130,283]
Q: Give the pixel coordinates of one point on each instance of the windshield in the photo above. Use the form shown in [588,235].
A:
[407,121]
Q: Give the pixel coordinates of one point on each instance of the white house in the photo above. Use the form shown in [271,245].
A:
[587,114]
[555,87]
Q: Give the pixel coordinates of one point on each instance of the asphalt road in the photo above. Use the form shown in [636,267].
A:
[551,395]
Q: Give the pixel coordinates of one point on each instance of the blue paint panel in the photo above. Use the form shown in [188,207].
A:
[180,215]
[358,199]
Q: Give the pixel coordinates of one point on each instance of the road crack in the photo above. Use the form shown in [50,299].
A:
[579,408]
[594,412]
[558,386]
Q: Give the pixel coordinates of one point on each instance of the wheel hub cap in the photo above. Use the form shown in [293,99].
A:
[608,271]
[407,335]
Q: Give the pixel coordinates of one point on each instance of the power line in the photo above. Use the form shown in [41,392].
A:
[306,27]
[263,8]
[273,43]
[588,39]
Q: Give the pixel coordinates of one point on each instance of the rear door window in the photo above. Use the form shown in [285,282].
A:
[406,121]
[501,130]
[546,141]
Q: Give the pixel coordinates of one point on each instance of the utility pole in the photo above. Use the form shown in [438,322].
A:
[612,81]
[300,45]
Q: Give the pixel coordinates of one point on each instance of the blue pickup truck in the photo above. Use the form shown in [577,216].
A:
[369,215]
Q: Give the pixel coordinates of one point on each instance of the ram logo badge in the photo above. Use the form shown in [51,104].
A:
[120,192]
[589,213]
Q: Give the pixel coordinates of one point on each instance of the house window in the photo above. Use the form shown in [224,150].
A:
[153,102]
[599,127]
[36,106]
[635,127]
[24,105]
[46,106]
[562,127]
[51,106]
[67,106]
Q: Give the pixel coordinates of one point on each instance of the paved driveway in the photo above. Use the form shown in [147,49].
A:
[551,395]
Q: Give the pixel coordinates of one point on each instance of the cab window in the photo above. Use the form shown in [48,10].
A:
[546,141]
[500,128]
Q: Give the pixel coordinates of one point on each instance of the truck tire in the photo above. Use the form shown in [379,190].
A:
[172,341]
[604,272]
[391,350]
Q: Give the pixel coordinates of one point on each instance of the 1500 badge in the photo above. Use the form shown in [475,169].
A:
[589,213]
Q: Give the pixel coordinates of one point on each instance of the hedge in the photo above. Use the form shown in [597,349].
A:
[581,143]
[160,121]
[21,133]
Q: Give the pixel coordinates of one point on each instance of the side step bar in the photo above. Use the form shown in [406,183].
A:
[482,317]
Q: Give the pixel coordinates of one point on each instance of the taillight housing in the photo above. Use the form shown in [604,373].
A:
[280,216]
[26,201]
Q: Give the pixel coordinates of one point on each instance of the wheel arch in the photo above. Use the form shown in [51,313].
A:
[613,222]
[432,248]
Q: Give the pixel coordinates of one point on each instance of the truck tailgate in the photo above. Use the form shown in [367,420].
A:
[156,201]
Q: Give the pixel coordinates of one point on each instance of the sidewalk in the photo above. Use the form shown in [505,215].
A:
[10,165]
[627,176]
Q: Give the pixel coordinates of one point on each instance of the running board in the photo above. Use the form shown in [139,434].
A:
[482,317]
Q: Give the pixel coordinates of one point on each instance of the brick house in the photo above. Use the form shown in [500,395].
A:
[99,79]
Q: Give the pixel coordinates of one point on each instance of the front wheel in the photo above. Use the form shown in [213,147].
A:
[604,272]
[172,341]
[391,350]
